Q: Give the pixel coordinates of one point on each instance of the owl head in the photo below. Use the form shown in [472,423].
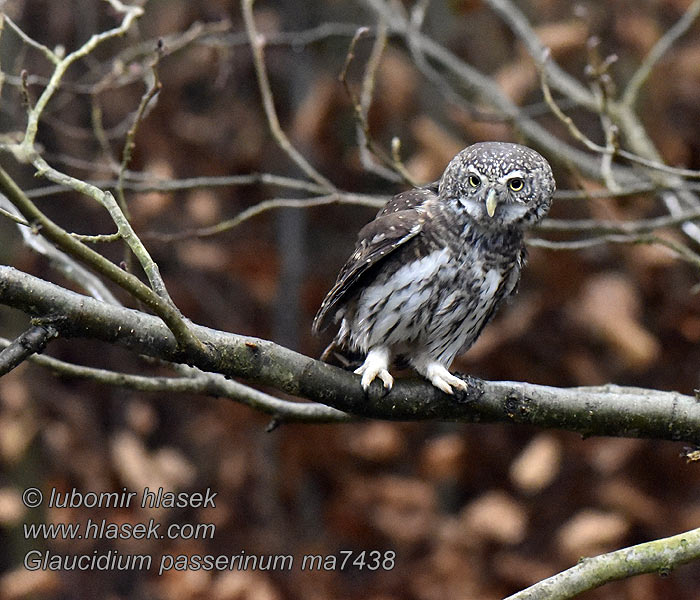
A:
[499,185]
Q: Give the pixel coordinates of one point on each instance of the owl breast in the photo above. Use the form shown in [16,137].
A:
[436,304]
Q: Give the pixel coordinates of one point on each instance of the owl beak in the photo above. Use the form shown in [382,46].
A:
[491,201]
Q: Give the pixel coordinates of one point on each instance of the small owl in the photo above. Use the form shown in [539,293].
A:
[429,272]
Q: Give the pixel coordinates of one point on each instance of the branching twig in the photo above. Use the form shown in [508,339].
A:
[484,87]
[170,315]
[260,208]
[644,152]
[361,106]
[662,46]
[130,13]
[622,227]
[198,382]
[576,133]
[31,342]
[681,250]
[124,228]
[257,43]
[129,144]
[25,151]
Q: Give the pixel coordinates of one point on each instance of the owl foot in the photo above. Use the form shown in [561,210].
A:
[376,365]
[442,379]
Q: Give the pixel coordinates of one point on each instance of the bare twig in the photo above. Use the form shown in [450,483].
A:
[30,342]
[45,50]
[67,265]
[257,43]
[143,182]
[681,250]
[16,218]
[174,43]
[106,238]
[170,315]
[602,87]
[101,137]
[662,46]
[512,16]
[361,106]
[658,556]
[197,382]
[151,92]
[436,79]
[574,131]
[260,208]
[622,227]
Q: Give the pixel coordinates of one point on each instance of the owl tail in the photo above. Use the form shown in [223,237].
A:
[327,355]
[336,355]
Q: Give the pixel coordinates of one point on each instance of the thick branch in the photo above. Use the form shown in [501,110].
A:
[608,410]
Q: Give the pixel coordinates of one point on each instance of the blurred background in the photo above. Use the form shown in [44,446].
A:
[472,511]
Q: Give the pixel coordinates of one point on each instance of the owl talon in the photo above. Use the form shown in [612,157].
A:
[369,375]
[376,365]
[442,379]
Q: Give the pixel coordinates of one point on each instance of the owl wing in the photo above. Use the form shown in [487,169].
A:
[399,221]
[409,200]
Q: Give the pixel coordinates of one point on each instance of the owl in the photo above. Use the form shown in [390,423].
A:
[429,272]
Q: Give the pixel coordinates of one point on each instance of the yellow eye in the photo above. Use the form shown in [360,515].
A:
[474,181]
[516,184]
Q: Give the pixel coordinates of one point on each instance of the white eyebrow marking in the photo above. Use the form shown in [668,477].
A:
[511,175]
[473,169]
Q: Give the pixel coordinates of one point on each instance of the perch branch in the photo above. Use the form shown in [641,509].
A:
[608,410]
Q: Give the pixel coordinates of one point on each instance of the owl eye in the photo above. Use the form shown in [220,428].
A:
[474,181]
[516,184]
